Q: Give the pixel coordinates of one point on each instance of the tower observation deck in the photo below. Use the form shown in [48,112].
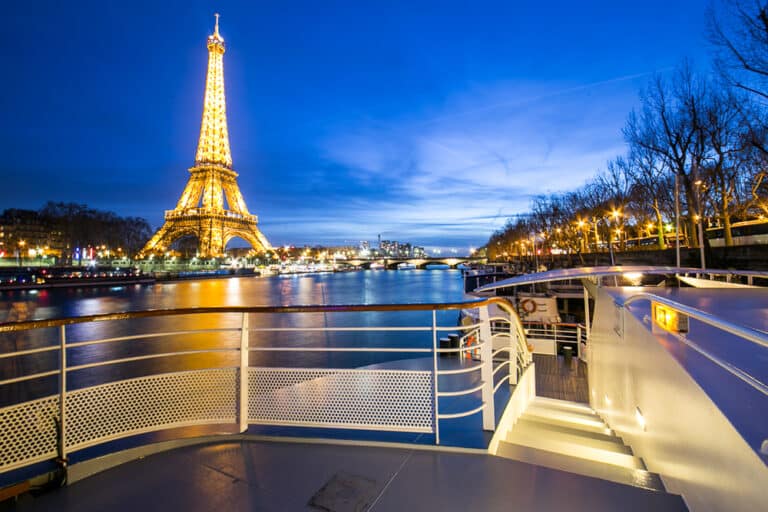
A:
[202,211]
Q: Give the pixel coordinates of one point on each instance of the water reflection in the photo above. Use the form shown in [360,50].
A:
[368,287]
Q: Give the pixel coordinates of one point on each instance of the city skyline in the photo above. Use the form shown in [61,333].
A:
[433,124]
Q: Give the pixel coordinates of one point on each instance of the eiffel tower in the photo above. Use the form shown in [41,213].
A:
[201,210]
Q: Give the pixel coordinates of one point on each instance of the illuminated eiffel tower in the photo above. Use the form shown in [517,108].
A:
[201,211]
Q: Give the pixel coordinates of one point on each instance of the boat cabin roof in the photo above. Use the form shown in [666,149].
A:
[616,270]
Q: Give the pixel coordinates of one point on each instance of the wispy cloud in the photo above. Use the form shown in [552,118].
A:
[460,174]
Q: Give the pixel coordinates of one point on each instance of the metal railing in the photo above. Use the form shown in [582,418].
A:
[754,336]
[229,365]
[561,332]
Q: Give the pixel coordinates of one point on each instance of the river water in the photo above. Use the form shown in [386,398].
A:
[363,287]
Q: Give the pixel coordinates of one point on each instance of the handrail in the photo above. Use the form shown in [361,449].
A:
[755,336]
[340,349]
[475,338]
[736,372]
[468,369]
[461,414]
[501,367]
[553,324]
[747,333]
[518,325]
[308,308]
[501,381]
[462,392]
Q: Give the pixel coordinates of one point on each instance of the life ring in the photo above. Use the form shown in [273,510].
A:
[469,354]
[528,305]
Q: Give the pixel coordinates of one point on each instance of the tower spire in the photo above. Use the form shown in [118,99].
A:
[213,146]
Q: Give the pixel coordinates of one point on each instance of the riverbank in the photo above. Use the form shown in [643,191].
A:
[745,257]
[78,283]
[29,279]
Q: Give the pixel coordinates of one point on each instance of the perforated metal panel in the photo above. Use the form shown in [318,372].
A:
[134,406]
[28,432]
[363,399]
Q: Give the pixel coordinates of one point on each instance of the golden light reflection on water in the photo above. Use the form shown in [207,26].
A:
[347,288]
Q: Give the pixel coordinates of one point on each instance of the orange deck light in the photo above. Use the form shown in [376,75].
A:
[669,319]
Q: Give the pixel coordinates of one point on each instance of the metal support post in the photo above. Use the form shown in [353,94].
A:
[486,370]
[513,348]
[436,419]
[62,392]
[677,221]
[586,312]
[242,409]
[578,342]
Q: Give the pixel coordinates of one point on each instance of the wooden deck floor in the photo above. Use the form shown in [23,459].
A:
[556,379]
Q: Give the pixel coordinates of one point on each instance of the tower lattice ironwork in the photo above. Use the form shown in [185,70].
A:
[201,210]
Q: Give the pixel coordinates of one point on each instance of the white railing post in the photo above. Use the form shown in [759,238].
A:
[578,341]
[587,325]
[486,370]
[63,392]
[514,340]
[436,412]
[242,406]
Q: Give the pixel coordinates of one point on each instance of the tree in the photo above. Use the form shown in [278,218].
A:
[82,226]
[739,33]
[653,185]
[720,127]
[668,125]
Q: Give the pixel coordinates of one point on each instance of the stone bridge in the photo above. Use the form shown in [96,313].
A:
[392,263]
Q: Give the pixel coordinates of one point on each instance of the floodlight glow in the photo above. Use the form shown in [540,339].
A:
[640,418]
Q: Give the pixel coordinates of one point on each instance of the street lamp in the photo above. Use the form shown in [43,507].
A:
[615,214]
[20,257]
[699,223]
[535,254]
[582,241]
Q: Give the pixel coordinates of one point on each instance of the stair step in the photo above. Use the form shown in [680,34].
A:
[562,404]
[545,410]
[570,435]
[635,477]
[568,429]
[575,449]
[579,423]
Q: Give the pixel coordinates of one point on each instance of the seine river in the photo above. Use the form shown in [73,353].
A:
[363,287]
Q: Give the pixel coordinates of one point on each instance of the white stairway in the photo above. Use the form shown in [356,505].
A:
[570,436]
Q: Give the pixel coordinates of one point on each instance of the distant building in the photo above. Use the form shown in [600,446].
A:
[393,248]
[24,231]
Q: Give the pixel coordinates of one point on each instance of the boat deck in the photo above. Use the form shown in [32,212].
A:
[557,379]
[264,475]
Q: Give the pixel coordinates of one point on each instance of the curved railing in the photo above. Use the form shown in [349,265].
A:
[756,337]
[109,376]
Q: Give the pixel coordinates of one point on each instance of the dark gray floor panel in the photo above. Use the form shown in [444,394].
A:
[288,476]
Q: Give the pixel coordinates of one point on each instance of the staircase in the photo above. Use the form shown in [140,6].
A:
[570,436]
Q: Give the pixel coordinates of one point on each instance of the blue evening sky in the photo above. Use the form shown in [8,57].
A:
[428,122]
